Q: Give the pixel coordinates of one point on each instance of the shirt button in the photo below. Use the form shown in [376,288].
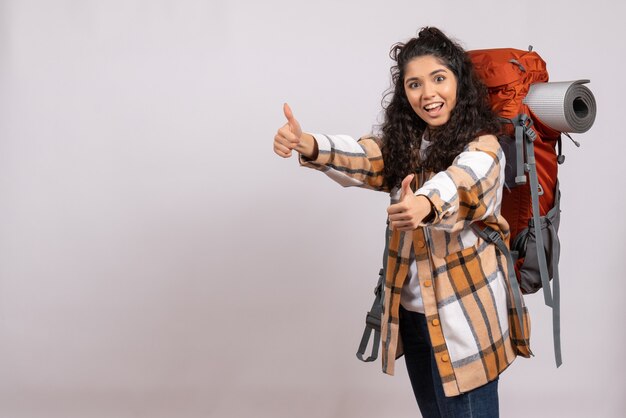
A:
[428,283]
[420,244]
[445,358]
[435,322]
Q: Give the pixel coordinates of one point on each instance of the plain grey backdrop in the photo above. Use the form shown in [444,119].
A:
[157,259]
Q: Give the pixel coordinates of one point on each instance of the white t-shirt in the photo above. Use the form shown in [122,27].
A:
[411,297]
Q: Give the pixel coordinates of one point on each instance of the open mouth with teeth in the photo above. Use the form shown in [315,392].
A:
[433,108]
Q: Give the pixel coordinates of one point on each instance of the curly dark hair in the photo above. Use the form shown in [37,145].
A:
[402,128]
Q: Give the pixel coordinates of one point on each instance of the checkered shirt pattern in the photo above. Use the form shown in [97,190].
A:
[468,302]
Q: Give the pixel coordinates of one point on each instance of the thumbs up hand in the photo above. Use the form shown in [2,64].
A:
[410,211]
[406,190]
[289,135]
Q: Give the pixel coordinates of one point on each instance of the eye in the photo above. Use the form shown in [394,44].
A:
[439,78]
[414,85]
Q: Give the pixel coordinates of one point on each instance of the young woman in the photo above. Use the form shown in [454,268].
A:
[448,305]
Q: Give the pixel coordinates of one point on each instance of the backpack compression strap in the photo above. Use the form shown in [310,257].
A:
[520,176]
[556,296]
[552,299]
[523,124]
[374,316]
[556,309]
[531,167]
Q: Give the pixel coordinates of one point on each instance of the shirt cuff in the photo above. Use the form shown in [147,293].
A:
[437,205]
[323,152]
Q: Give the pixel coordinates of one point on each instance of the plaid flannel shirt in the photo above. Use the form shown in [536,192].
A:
[468,302]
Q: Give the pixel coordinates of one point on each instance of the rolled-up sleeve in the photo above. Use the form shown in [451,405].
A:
[349,162]
[470,189]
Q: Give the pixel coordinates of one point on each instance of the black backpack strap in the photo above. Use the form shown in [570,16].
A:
[374,316]
[372,323]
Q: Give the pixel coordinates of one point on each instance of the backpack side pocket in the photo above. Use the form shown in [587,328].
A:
[525,244]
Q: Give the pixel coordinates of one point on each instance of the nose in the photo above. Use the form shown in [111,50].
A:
[428,90]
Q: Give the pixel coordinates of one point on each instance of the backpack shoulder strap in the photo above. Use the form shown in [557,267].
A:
[374,316]
[491,235]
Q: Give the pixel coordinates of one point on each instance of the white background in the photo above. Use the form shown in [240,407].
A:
[157,259]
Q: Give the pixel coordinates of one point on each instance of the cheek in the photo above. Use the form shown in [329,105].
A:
[411,100]
[414,105]
[409,97]
[452,100]
[452,93]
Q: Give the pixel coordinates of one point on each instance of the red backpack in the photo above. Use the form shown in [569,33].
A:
[531,196]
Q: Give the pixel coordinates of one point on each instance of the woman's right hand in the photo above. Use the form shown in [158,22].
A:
[289,136]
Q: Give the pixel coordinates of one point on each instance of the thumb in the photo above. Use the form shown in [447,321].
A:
[294,126]
[406,186]
[289,115]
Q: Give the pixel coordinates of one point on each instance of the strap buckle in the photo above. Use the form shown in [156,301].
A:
[373,320]
[526,123]
[494,236]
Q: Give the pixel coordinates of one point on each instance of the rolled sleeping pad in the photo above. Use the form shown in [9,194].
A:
[565,106]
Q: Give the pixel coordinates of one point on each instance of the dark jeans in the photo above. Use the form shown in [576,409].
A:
[420,362]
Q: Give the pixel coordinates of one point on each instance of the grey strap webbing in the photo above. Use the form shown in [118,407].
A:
[491,235]
[556,296]
[372,325]
[374,316]
[551,298]
[520,177]
[534,194]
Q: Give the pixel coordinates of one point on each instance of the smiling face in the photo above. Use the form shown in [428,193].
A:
[430,88]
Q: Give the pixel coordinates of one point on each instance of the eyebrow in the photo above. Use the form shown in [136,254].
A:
[439,70]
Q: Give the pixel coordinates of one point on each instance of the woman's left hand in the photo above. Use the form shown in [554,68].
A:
[410,211]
